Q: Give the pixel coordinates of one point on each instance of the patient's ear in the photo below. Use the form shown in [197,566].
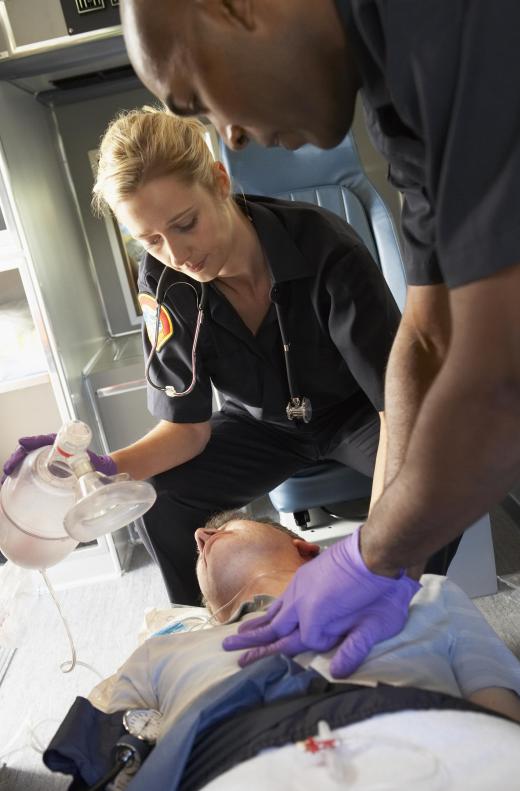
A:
[305,549]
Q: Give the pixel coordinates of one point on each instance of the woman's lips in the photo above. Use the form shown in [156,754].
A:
[197,267]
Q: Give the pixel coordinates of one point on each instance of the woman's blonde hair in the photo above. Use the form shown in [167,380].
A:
[140,145]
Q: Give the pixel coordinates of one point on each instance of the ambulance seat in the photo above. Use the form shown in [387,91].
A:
[335,179]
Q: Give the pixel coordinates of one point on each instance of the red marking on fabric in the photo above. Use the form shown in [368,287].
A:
[314,745]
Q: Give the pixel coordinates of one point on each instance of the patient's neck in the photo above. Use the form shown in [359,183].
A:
[266,582]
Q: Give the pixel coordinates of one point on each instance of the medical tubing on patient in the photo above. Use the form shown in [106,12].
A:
[211,620]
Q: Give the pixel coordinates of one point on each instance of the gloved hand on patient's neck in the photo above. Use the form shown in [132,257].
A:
[333,600]
[103,464]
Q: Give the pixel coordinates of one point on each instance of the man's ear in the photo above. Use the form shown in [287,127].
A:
[305,549]
[238,13]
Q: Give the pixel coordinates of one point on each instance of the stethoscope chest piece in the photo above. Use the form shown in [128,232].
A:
[299,409]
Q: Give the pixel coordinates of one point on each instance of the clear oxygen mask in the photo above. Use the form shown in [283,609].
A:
[55,499]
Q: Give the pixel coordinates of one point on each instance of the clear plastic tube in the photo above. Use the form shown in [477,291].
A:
[418,766]
[69,665]
[211,619]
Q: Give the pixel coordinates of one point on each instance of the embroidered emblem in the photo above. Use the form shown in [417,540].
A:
[149,308]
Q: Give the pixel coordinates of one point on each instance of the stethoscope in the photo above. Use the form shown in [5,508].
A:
[299,408]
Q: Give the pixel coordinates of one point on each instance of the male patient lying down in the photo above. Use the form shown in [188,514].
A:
[429,727]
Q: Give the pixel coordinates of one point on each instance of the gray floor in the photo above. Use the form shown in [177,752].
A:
[104,619]
[35,692]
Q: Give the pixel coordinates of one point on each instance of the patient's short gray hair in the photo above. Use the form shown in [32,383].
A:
[224,517]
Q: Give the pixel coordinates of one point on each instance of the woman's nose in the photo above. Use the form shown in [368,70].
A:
[234,137]
[177,253]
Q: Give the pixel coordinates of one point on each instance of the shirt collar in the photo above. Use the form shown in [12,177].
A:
[259,602]
[284,257]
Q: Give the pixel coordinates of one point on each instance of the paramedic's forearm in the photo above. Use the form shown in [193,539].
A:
[167,445]
[378,481]
[462,458]
[417,355]
[464,452]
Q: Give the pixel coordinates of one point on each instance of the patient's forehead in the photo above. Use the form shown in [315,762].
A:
[242,524]
[257,526]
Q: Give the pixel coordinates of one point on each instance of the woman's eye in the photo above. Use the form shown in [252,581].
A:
[153,242]
[188,226]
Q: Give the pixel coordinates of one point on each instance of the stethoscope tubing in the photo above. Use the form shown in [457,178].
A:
[160,295]
[170,391]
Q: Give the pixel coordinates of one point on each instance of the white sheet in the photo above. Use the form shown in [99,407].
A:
[407,751]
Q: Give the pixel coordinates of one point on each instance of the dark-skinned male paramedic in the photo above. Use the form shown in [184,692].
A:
[440,84]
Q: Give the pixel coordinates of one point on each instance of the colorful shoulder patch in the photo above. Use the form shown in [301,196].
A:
[149,308]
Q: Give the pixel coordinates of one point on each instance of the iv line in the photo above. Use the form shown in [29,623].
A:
[69,665]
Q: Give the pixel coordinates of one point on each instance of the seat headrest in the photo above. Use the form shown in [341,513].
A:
[268,171]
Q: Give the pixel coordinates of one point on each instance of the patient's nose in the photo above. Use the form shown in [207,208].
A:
[201,536]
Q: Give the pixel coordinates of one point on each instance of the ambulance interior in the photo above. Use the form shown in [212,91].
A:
[71,350]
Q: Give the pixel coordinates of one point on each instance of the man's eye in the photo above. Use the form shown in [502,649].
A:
[195,106]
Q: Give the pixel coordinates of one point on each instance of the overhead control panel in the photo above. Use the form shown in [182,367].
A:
[63,39]
[82,16]
[56,24]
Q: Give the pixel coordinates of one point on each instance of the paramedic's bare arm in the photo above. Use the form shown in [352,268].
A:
[414,362]
[418,352]
[378,480]
[464,450]
[167,445]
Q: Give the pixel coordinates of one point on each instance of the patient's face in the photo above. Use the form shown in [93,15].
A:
[244,553]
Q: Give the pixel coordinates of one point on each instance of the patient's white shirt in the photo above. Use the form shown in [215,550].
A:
[446,646]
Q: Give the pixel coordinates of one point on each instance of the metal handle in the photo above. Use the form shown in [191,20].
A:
[124,387]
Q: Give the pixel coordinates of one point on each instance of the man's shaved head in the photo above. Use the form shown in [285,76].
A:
[150,38]
[276,72]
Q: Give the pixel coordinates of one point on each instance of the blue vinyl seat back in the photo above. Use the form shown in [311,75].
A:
[334,179]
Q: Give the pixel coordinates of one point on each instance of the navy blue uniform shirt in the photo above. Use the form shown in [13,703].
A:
[441,93]
[339,314]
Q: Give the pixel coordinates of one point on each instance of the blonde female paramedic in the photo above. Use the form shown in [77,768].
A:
[297,327]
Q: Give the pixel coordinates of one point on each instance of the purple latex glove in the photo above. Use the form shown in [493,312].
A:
[104,464]
[331,600]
